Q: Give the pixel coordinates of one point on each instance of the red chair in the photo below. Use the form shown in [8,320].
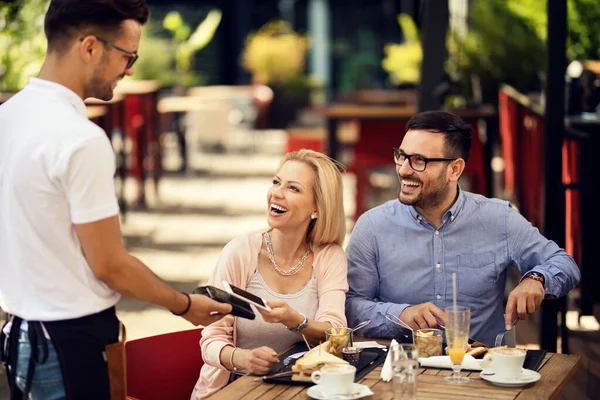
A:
[164,366]
[374,150]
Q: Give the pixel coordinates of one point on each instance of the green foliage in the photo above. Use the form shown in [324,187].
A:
[403,61]
[358,64]
[275,54]
[500,47]
[584,30]
[22,42]
[506,42]
[187,43]
[157,60]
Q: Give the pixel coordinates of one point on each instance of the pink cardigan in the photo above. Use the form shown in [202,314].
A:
[236,265]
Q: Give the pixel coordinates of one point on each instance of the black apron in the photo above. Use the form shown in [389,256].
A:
[80,344]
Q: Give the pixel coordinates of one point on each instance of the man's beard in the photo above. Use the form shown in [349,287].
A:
[436,193]
[100,89]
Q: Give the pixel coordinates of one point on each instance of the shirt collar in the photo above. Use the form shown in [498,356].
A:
[58,90]
[452,213]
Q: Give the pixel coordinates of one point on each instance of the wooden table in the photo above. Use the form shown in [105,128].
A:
[556,370]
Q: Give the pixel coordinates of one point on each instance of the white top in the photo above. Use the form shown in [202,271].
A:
[256,333]
[56,170]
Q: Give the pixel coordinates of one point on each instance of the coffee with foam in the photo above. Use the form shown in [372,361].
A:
[510,352]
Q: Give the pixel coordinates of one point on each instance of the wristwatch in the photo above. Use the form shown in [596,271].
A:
[536,276]
[302,325]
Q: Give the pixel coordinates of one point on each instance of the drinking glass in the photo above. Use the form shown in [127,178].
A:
[405,367]
[458,323]
[338,338]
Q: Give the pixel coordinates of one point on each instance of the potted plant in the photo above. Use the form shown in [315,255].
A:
[275,56]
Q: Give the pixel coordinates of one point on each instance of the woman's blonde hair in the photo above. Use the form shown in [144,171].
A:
[330,224]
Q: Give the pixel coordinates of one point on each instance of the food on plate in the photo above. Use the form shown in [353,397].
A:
[314,360]
[478,352]
[429,342]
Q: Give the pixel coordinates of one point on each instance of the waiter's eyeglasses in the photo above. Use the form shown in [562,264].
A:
[133,55]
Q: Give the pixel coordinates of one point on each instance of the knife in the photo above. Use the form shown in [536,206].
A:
[279,375]
[510,338]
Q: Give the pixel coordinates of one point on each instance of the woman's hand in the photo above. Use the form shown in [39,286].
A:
[260,360]
[281,313]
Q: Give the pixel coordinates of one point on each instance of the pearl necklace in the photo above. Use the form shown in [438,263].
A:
[271,254]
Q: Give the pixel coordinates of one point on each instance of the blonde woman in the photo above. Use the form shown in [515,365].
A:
[297,265]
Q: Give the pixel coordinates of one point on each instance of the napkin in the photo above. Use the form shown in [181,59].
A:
[469,362]
[386,371]
[366,345]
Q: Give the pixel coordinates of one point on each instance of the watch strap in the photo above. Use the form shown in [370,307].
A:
[302,324]
[536,276]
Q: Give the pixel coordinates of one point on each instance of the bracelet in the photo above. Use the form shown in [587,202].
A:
[233,367]
[189,304]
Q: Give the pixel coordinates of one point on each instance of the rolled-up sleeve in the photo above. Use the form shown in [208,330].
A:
[531,251]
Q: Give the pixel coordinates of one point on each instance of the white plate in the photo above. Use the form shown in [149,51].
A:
[358,391]
[527,376]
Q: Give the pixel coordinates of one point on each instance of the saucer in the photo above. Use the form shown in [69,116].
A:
[358,391]
[527,376]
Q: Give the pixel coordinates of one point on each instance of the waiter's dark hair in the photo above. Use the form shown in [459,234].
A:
[456,132]
[67,18]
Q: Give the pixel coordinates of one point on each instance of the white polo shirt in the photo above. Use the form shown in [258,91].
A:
[56,170]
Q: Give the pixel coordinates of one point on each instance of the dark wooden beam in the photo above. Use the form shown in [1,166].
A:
[434,20]
[554,126]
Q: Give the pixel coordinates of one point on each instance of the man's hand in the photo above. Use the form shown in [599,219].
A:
[524,299]
[204,310]
[260,360]
[422,316]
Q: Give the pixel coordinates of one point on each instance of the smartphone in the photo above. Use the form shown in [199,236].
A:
[240,308]
[243,295]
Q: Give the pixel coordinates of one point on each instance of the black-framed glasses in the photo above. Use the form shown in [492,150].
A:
[416,161]
[133,55]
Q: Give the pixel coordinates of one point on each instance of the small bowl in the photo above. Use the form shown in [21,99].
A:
[352,355]
[429,342]
[338,338]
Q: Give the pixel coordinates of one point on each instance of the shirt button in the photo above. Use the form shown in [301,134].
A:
[438,265]
[452,218]
[437,233]
[419,218]
[438,297]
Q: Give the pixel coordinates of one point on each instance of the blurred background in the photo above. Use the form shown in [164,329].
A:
[223,88]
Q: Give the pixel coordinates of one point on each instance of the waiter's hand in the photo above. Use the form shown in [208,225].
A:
[524,299]
[422,316]
[204,310]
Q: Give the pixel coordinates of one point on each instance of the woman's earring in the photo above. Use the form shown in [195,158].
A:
[314,216]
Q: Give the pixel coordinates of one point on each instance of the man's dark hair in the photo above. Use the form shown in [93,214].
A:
[455,131]
[66,18]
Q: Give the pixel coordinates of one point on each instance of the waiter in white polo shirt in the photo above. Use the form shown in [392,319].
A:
[62,264]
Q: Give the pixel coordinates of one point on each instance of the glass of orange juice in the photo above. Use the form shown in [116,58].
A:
[458,324]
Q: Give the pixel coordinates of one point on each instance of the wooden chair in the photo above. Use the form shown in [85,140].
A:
[163,366]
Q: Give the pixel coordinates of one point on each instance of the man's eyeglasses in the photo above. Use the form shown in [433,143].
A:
[133,55]
[416,162]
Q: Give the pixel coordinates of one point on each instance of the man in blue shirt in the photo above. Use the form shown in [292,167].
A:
[402,254]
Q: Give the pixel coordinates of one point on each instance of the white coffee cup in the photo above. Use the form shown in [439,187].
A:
[506,362]
[335,379]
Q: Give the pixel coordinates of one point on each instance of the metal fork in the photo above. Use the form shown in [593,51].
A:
[394,319]
[500,336]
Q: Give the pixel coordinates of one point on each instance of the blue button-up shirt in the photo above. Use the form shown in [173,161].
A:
[396,259]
